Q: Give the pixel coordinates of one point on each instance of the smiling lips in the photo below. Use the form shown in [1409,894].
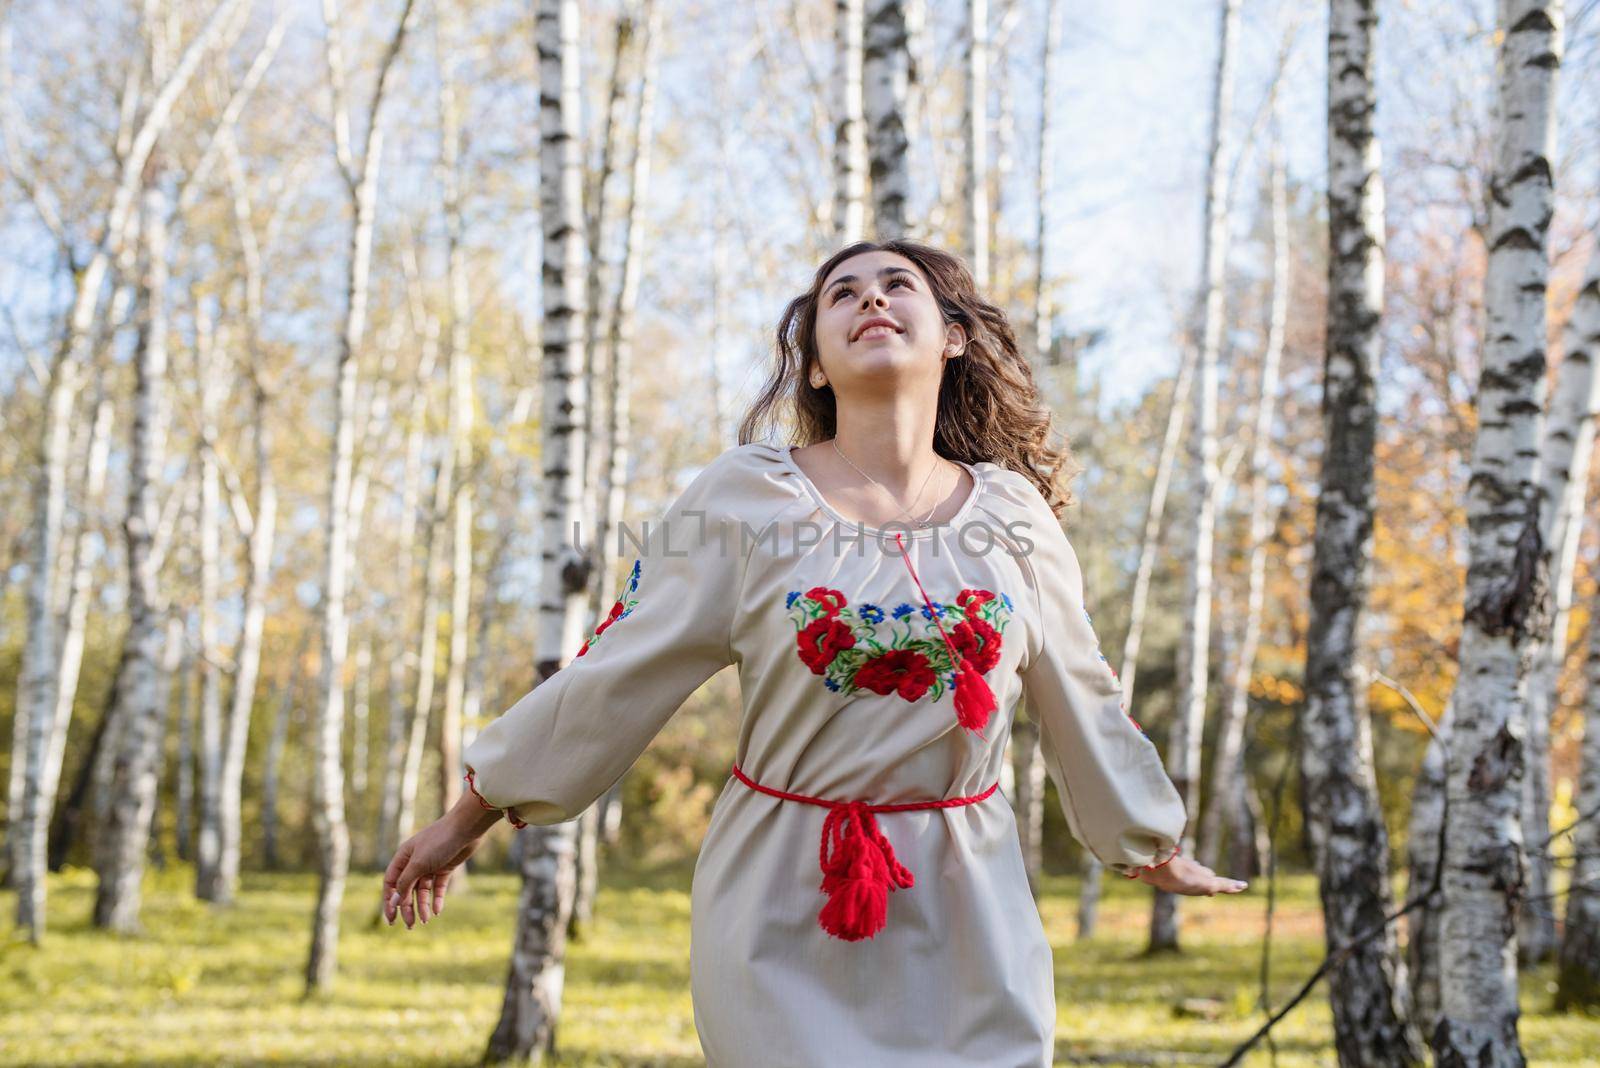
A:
[877,321]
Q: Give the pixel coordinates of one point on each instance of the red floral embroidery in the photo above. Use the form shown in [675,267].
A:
[822,640]
[903,650]
[623,607]
[977,641]
[898,671]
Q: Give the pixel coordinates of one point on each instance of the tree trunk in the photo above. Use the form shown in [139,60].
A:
[37,680]
[140,688]
[1041,317]
[328,815]
[269,773]
[1423,854]
[850,124]
[597,367]
[209,856]
[1229,774]
[1578,973]
[1508,570]
[532,1003]
[975,126]
[182,818]
[1564,460]
[92,480]
[1344,822]
[886,76]
[1183,758]
[617,438]
[400,712]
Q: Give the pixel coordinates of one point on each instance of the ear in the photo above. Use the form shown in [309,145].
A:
[955,340]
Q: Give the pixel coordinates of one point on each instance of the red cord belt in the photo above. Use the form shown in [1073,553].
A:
[858,863]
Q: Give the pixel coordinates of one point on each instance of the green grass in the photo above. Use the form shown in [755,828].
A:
[223,986]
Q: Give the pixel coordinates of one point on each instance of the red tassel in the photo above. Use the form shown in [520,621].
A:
[859,875]
[974,700]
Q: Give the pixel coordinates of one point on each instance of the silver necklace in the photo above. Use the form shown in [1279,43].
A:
[875,482]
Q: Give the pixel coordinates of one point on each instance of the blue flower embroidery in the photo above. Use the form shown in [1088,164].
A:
[788,602]
[931,610]
[831,684]
[1006,599]
[870,613]
[902,611]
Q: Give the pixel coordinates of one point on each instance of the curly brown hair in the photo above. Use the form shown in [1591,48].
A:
[989,406]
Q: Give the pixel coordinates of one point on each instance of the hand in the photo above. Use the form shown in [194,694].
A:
[414,884]
[1184,876]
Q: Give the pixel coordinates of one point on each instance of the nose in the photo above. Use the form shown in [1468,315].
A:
[875,296]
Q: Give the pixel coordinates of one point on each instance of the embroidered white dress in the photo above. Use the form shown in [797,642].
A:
[851,646]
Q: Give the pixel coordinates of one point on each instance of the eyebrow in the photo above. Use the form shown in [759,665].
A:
[882,273]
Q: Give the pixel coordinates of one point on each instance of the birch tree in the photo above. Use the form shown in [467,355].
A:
[1183,754]
[1564,458]
[975,196]
[617,441]
[257,524]
[886,77]
[461,408]
[601,223]
[1578,972]
[532,1003]
[1230,794]
[361,182]
[1507,595]
[37,685]
[1350,845]
[1028,773]
[140,692]
[850,124]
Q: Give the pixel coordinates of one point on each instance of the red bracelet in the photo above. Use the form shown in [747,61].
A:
[1134,874]
[510,816]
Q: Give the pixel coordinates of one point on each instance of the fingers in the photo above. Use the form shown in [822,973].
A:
[391,881]
[440,881]
[424,899]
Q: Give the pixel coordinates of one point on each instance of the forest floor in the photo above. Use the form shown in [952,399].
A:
[223,986]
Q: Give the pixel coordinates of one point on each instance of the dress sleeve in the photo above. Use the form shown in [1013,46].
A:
[569,739]
[1117,797]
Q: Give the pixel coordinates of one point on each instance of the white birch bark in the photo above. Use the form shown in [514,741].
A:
[1228,771]
[96,453]
[328,815]
[1507,593]
[1183,756]
[850,123]
[532,1003]
[1350,844]
[886,77]
[399,791]
[1028,768]
[461,414]
[1564,459]
[37,684]
[139,689]
[258,525]
[975,126]
[598,373]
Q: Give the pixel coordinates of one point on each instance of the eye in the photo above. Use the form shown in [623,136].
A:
[842,290]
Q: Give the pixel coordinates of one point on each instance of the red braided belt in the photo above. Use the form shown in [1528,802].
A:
[862,868]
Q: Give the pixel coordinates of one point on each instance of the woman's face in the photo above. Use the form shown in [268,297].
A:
[881,286]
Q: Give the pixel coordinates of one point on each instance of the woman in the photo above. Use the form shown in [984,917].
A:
[889,592]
